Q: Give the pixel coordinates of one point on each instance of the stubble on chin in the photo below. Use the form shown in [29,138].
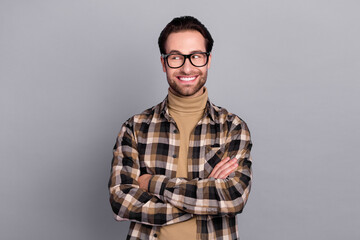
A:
[187,91]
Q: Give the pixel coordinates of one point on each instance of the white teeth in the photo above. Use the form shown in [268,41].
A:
[187,78]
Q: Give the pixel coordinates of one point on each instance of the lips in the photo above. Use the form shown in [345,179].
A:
[187,78]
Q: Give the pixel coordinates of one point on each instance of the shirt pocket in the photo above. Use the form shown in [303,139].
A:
[212,151]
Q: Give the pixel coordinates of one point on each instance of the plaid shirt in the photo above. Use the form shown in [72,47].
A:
[149,143]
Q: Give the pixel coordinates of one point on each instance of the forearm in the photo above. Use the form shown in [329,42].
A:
[205,196]
[133,204]
[127,199]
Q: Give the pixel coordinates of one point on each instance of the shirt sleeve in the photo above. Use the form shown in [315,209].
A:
[127,200]
[212,196]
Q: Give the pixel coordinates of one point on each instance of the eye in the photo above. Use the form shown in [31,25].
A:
[197,56]
[175,57]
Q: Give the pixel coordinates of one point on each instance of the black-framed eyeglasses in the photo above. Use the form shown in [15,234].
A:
[177,60]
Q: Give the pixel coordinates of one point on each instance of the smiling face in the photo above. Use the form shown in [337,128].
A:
[187,80]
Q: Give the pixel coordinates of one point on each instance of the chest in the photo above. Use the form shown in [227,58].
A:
[159,146]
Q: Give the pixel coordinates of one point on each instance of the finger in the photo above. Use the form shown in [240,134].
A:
[224,174]
[225,166]
[222,167]
[217,166]
[143,181]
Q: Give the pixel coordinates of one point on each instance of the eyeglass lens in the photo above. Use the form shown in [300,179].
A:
[196,59]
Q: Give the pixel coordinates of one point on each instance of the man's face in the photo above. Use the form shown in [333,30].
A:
[187,80]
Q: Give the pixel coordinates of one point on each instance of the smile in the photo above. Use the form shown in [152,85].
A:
[187,79]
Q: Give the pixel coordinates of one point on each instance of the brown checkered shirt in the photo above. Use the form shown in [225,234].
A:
[149,143]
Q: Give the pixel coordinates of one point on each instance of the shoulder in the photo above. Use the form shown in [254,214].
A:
[221,114]
[228,120]
[232,124]
[145,117]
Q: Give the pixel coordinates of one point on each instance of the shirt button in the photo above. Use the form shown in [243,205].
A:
[174,156]
[175,131]
[155,235]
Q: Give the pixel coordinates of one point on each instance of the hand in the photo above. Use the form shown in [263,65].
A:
[223,169]
[144,181]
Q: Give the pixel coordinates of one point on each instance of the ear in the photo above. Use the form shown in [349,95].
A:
[209,62]
[163,64]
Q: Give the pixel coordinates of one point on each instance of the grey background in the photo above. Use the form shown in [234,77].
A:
[73,71]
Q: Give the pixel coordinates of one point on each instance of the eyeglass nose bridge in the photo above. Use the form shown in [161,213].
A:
[187,57]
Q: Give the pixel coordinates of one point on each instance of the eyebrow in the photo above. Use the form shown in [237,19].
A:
[178,52]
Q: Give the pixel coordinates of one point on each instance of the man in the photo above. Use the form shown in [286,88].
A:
[182,169]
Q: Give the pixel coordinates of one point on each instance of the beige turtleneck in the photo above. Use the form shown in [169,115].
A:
[187,112]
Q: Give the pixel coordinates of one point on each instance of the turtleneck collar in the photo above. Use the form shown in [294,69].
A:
[187,104]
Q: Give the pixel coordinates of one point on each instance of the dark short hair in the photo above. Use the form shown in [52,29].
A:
[182,24]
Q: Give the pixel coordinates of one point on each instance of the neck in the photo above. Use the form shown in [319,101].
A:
[187,104]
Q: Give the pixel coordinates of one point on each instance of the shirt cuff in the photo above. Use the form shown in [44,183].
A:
[157,184]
